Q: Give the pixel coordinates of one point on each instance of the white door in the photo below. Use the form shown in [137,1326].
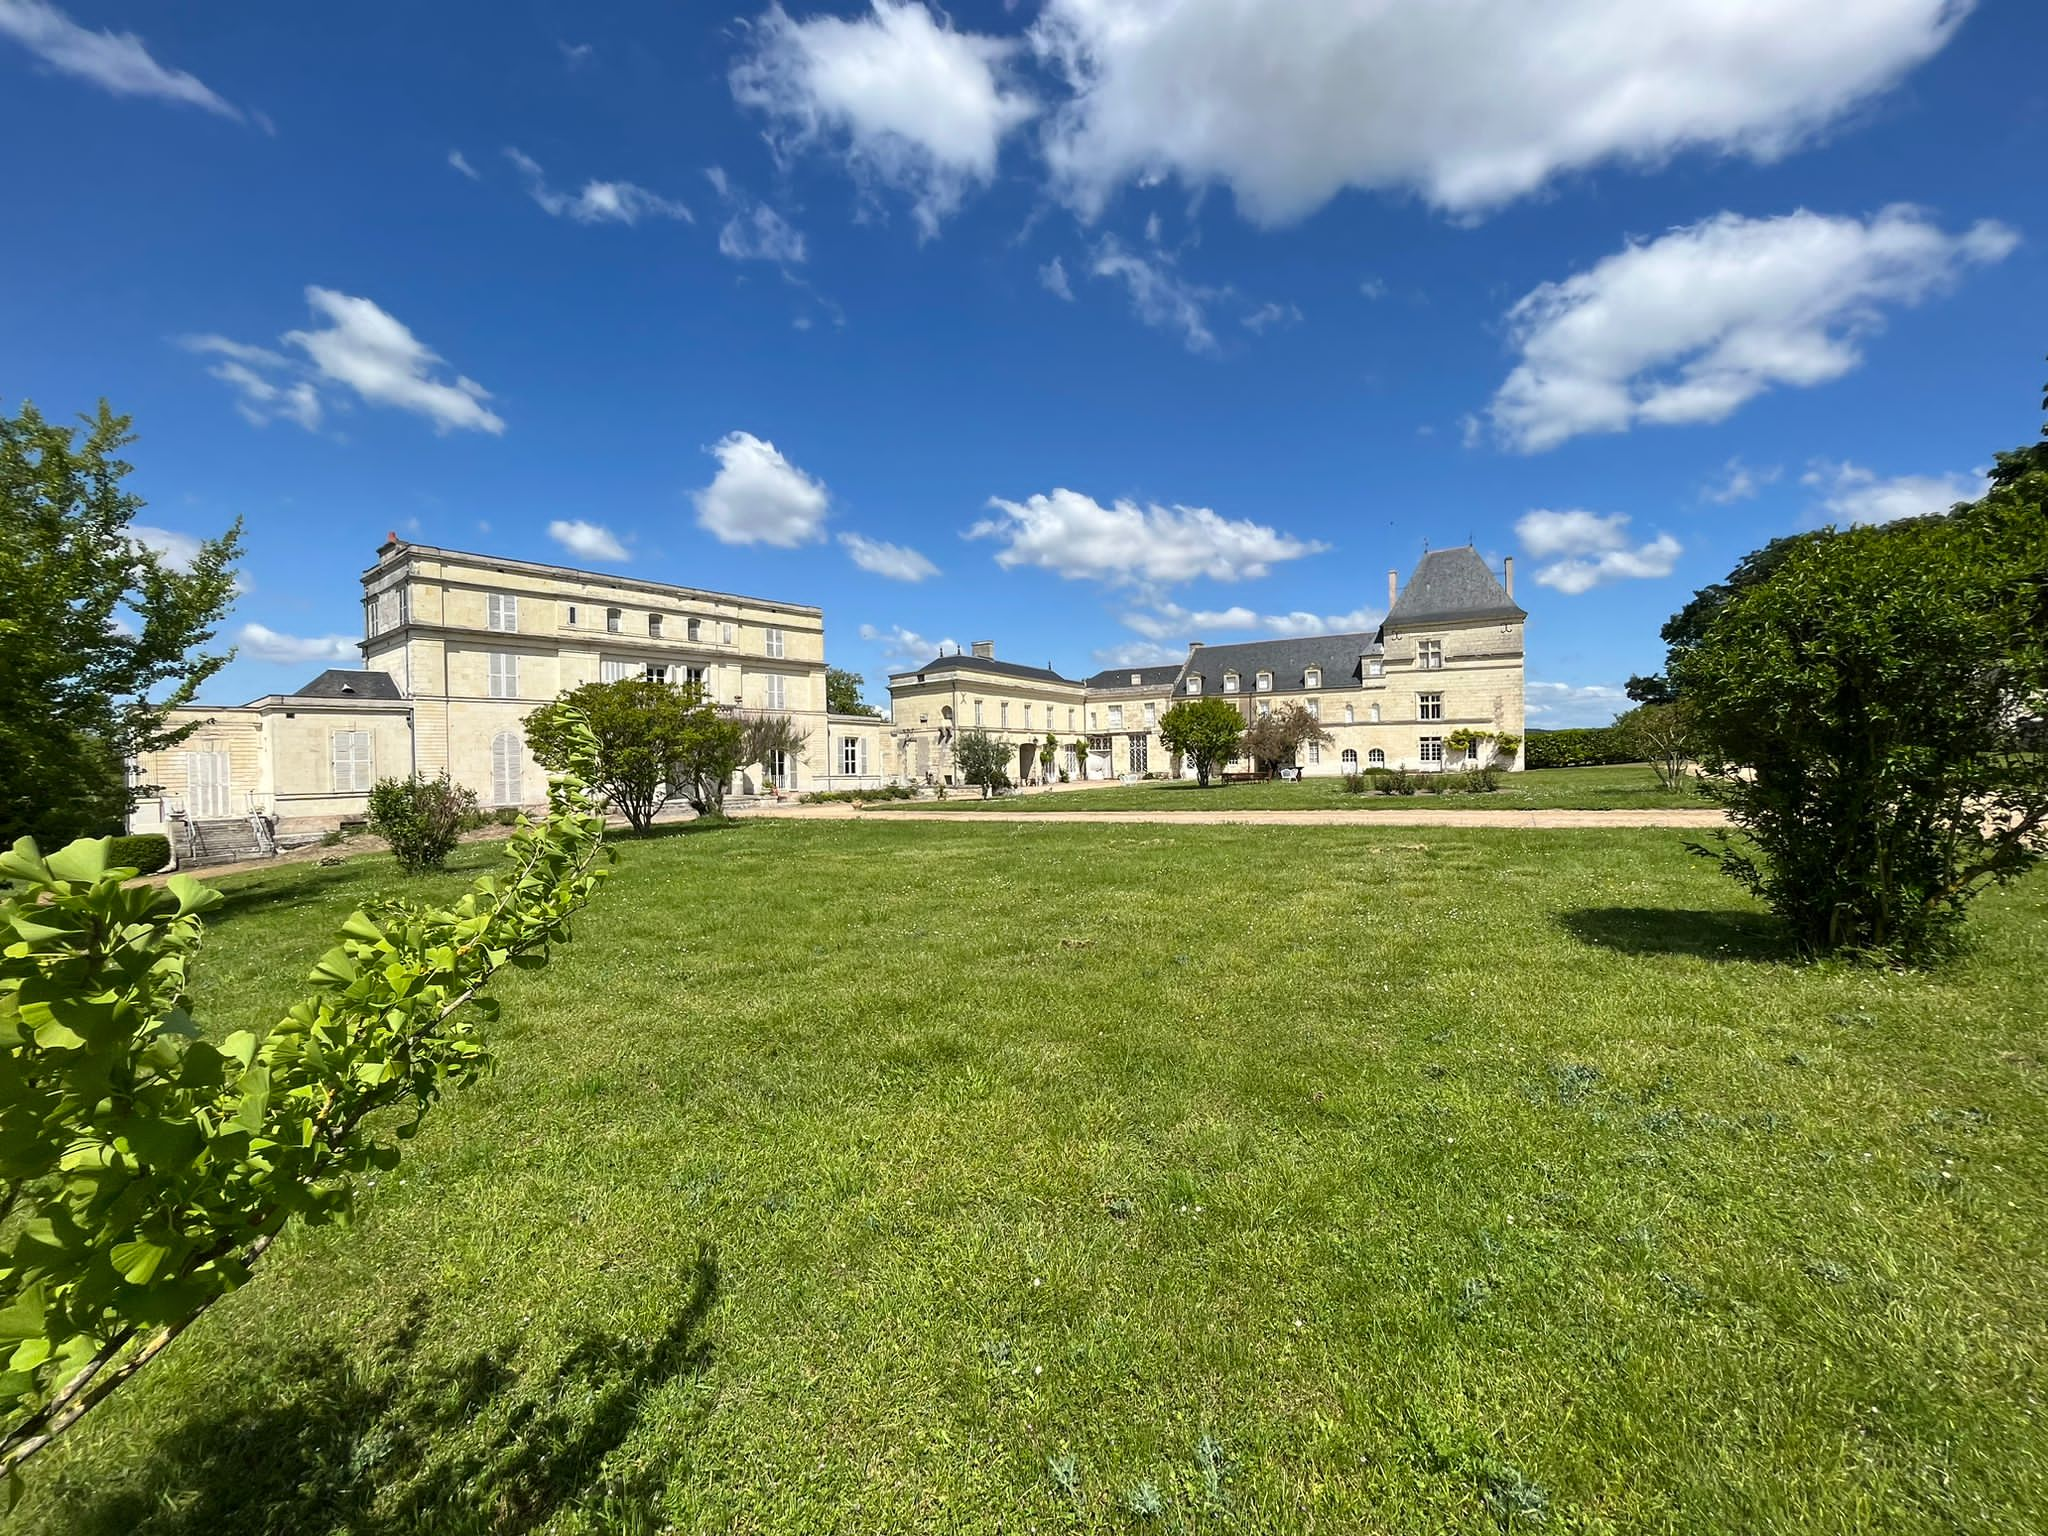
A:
[206,778]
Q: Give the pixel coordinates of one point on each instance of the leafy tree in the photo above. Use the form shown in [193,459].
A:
[765,737]
[1050,753]
[421,818]
[1662,736]
[1650,688]
[842,693]
[654,741]
[1869,710]
[1685,628]
[145,1168]
[1277,737]
[1205,731]
[100,636]
[982,760]
[1079,747]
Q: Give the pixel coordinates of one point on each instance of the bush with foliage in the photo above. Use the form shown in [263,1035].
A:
[1581,747]
[143,852]
[764,738]
[857,796]
[654,741]
[1207,732]
[982,761]
[1662,736]
[422,819]
[146,1170]
[1276,738]
[1870,714]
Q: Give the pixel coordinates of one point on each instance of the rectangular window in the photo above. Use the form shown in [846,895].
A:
[610,671]
[1429,654]
[504,675]
[1315,709]
[1350,714]
[1151,714]
[850,754]
[696,677]
[502,612]
[1230,682]
[778,691]
[350,754]
[1429,706]
[784,770]
[654,626]
[693,629]
[725,634]
[772,638]
[1263,682]
[977,711]
[1194,683]
[614,620]
[1376,669]
[1432,749]
[1141,754]
[1070,717]
[1312,678]
[569,615]
[1265,708]
[1315,753]
[1003,714]
[1116,717]
[1027,717]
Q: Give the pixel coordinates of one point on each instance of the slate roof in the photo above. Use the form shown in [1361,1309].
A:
[1148,677]
[1451,585]
[1337,656]
[990,665]
[341,683]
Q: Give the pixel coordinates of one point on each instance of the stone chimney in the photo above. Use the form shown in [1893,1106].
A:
[1508,575]
[1194,645]
[985,649]
[1393,589]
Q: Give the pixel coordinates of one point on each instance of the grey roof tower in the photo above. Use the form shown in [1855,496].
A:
[1451,586]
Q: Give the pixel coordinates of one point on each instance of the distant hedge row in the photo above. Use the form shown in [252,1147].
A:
[1587,747]
[144,852]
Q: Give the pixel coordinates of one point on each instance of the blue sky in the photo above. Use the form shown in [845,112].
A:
[767,300]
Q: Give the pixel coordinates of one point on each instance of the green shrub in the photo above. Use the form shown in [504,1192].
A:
[857,796]
[421,818]
[1585,747]
[1355,784]
[144,852]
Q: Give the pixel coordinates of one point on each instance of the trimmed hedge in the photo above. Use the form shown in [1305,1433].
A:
[1586,747]
[145,852]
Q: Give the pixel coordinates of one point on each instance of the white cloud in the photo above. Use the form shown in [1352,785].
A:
[600,202]
[759,497]
[1053,278]
[576,55]
[760,233]
[1373,288]
[588,541]
[1268,315]
[177,550]
[1080,538]
[460,162]
[374,354]
[895,561]
[269,386]
[1688,327]
[1853,494]
[914,104]
[906,645]
[1567,704]
[1162,298]
[1739,482]
[1139,653]
[1588,550]
[116,62]
[1162,620]
[266,644]
[1472,104]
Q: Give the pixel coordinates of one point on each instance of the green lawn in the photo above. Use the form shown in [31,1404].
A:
[881,1178]
[1627,786]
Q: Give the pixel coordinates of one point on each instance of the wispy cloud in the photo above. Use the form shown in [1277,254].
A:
[600,202]
[460,162]
[897,562]
[117,62]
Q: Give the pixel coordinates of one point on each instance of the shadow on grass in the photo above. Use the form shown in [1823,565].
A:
[327,1442]
[625,837]
[1707,935]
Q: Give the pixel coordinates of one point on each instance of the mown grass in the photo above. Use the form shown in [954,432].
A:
[1624,786]
[890,1177]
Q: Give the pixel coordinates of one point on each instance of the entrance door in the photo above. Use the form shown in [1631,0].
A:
[206,778]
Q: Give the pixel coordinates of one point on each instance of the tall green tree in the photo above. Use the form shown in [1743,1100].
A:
[982,760]
[1277,737]
[1870,711]
[1204,731]
[100,635]
[764,738]
[842,693]
[654,742]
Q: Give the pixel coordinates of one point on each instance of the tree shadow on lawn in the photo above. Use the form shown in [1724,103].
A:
[327,1443]
[1716,934]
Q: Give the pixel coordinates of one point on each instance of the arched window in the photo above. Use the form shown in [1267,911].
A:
[507,769]
[1377,758]
[1375,713]
[1349,760]
[1350,714]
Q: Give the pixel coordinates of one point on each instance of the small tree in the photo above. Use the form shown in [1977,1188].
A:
[842,693]
[1205,731]
[764,738]
[1079,747]
[1277,737]
[982,760]
[654,740]
[1663,735]
[1870,713]
[709,751]
[1051,751]
[421,818]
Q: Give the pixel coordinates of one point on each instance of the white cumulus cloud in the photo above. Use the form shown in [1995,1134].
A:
[1849,493]
[1590,549]
[759,233]
[1567,704]
[1162,620]
[268,385]
[1472,103]
[1690,326]
[759,497]
[912,103]
[374,354]
[1139,653]
[897,562]
[600,202]
[175,549]
[1738,482]
[1080,538]
[587,541]
[267,644]
[117,62]
[906,645]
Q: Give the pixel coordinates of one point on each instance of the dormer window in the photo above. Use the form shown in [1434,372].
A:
[1230,682]
[1263,682]
[1194,682]
[1136,679]
[1312,678]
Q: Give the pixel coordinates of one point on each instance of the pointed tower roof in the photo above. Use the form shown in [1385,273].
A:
[1452,586]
